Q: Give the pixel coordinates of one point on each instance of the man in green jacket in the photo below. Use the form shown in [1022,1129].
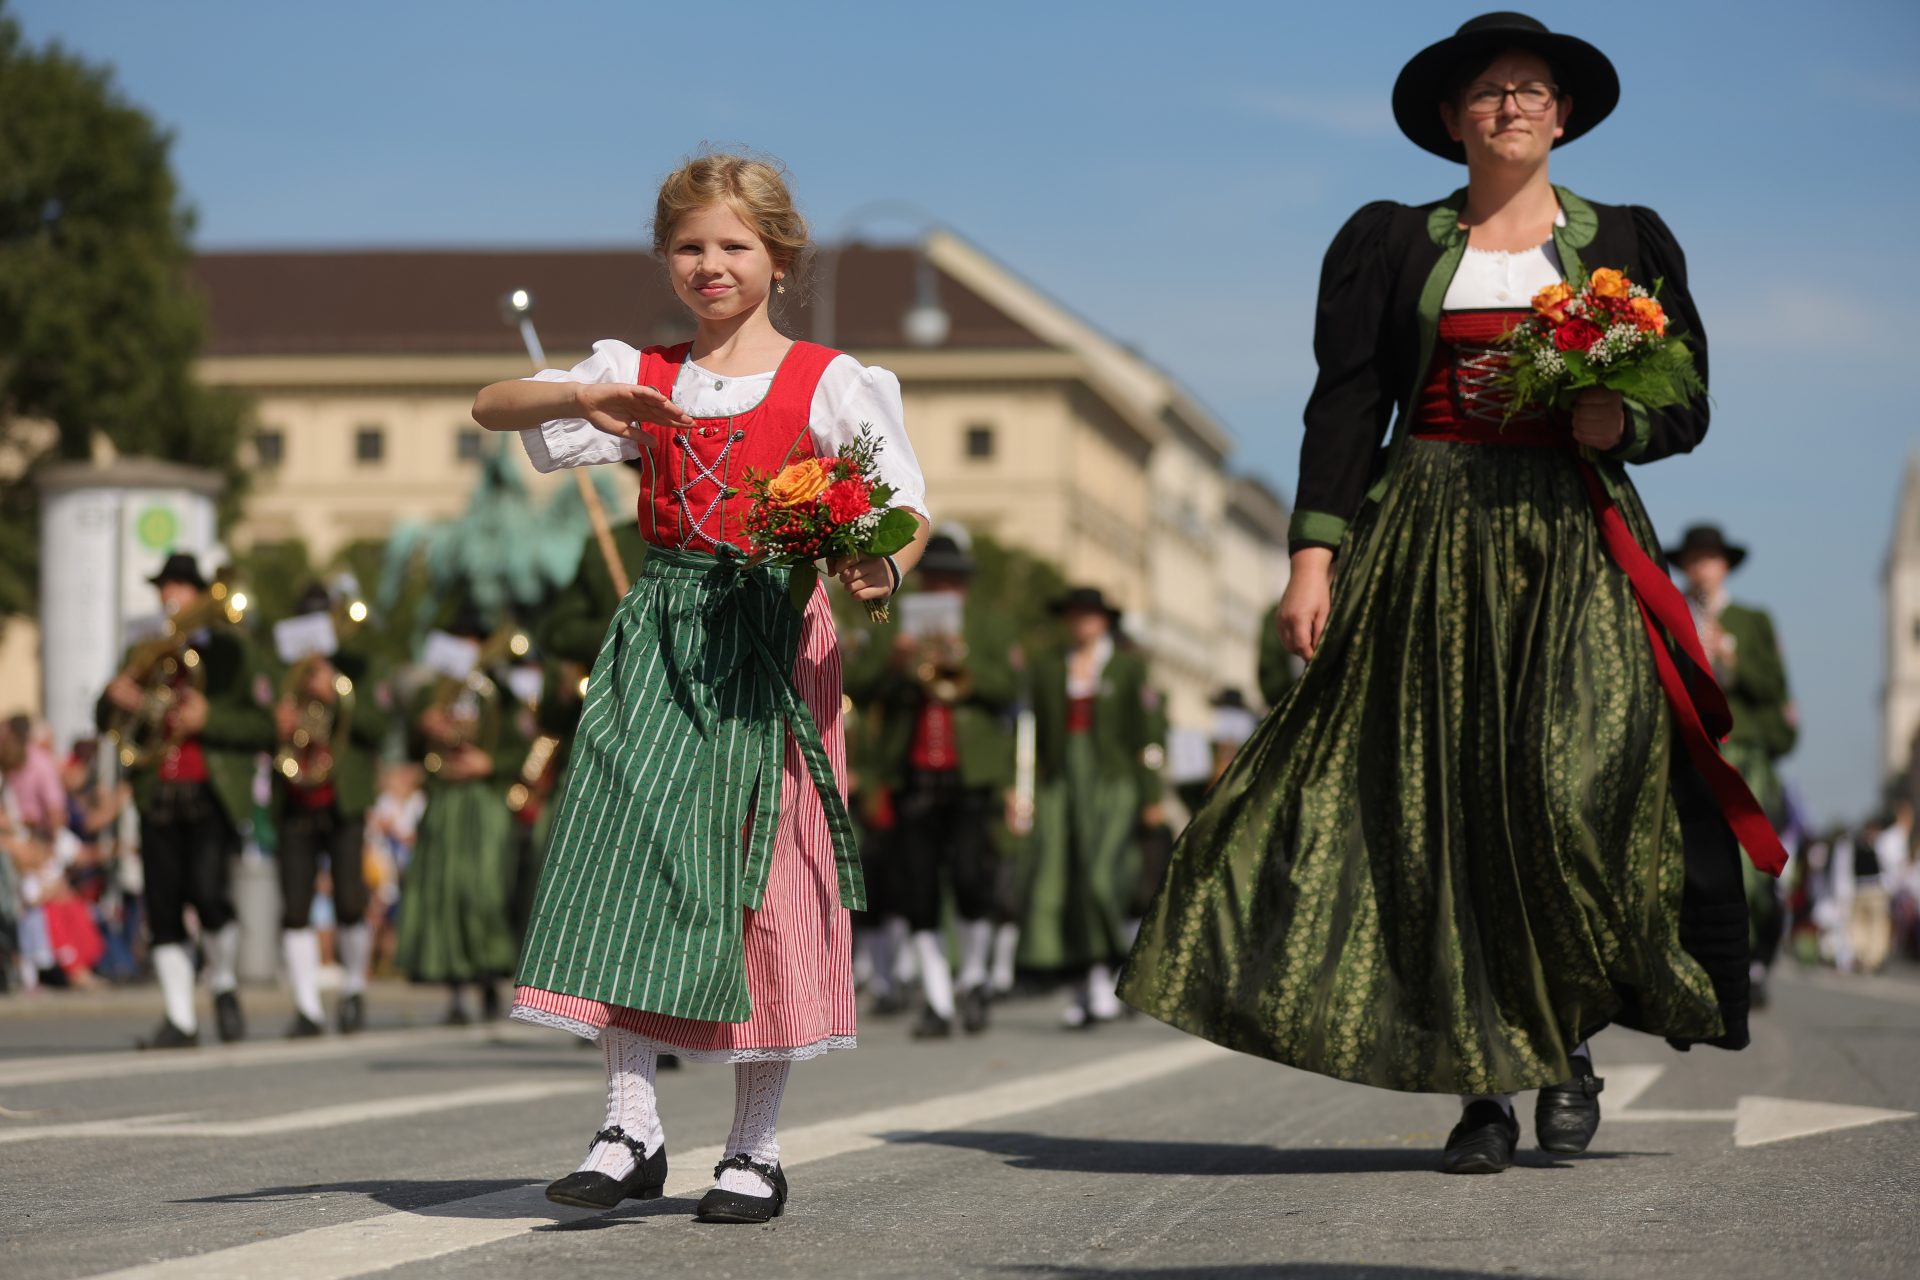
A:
[332,718]
[1740,641]
[943,692]
[191,767]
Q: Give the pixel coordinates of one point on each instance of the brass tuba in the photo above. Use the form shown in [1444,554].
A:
[472,704]
[160,666]
[942,670]
[306,758]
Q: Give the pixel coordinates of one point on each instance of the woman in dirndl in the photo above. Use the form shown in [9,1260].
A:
[1488,820]
[694,897]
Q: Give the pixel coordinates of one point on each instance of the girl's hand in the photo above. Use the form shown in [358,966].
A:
[1307,600]
[1599,418]
[614,407]
[866,578]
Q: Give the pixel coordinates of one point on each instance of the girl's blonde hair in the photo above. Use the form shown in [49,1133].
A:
[753,187]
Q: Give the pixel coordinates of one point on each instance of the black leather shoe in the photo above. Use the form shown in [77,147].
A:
[890,1004]
[304,1028]
[1482,1142]
[731,1206]
[352,1015]
[1566,1116]
[228,1018]
[169,1036]
[489,1002]
[932,1026]
[973,1010]
[457,1016]
[666,1062]
[647,1181]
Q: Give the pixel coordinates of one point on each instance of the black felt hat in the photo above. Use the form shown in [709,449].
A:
[180,567]
[1084,600]
[1230,697]
[944,554]
[1585,76]
[1706,539]
[313,600]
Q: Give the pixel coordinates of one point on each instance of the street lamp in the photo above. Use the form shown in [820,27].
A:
[925,323]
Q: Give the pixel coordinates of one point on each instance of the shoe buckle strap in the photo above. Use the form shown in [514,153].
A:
[741,1160]
[614,1133]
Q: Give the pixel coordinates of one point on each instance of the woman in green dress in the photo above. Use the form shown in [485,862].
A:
[1485,822]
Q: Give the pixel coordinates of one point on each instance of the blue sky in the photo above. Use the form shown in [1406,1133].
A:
[1173,172]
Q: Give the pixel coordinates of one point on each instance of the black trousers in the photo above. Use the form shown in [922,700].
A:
[185,844]
[307,835]
[945,834]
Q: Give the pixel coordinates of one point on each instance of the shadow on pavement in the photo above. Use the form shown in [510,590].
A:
[670,1207]
[428,1196]
[1266,1271]
[1047,1153]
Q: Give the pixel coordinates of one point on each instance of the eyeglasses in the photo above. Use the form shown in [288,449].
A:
[1533,98]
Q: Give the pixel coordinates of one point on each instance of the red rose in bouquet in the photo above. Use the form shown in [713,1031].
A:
[1577,334]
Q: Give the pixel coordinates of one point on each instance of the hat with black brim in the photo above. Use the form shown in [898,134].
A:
[1084,600]
[180,567]
[1707,540]
[1584,74]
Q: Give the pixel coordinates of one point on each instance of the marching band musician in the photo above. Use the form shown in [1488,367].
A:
[189,730]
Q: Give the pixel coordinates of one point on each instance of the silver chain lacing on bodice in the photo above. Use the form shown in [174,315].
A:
[693,527]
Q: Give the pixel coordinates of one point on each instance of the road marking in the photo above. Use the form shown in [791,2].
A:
[1756,1120]
[388,1240]
[188,1124]
[133,1062]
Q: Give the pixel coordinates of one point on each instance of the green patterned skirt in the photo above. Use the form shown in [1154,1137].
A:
[1451,853]
[1076,884]
[455,918]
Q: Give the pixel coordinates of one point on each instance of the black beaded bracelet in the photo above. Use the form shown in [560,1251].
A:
[893,568]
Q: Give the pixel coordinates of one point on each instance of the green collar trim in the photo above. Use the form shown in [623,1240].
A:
[1444,229]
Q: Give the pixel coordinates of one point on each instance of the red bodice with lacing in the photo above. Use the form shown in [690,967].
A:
[1462,400]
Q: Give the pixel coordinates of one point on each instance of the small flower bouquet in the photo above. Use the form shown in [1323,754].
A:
[825,507]
[1611,333]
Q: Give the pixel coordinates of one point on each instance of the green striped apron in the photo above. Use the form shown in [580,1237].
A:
[664,834]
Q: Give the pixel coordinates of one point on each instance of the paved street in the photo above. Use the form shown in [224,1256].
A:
[415,1151]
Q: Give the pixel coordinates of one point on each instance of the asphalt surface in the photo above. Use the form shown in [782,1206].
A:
[1132,1151]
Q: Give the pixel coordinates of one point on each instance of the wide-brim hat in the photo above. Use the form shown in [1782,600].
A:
[944,554]
[1706,539]
[1585,75]
[1084,600]
[313,600]
[1230,697]
[180,567]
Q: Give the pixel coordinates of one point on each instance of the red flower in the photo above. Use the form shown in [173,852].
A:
[847,500]
[1577,335]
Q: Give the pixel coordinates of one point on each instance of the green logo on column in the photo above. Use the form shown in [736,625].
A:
[157,528]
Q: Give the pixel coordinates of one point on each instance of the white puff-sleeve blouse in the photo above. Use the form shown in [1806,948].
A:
[850,396]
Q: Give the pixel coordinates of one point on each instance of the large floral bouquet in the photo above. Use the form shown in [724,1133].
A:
[826,507]
[1610,333]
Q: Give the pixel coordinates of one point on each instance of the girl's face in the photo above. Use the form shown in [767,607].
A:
[1516,127]
[720,267]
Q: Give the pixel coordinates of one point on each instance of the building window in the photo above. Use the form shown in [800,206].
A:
[369,445]
[979,441]
[466,444]
[270,447]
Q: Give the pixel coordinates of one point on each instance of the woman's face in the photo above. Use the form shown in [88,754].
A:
[1500,127]
[720,267]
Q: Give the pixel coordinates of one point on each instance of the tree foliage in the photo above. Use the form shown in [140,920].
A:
[99,321]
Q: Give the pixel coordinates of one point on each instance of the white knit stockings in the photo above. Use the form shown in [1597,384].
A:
[758,1088]
[631,1103]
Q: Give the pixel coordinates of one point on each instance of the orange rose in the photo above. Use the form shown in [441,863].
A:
[801,482]
[1608,283]
[1648,314]
[1552,301]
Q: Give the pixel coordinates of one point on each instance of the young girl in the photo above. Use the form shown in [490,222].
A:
[694,899]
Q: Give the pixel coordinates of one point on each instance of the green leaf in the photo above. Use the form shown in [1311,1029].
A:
[800,586]
[895,530]
[882,494]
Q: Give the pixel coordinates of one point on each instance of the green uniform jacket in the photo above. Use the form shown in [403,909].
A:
[1276,664]
[1756,684]
[509,744]
[356,761]
[980,722]
[575,625]
[238,727]
[1126,713]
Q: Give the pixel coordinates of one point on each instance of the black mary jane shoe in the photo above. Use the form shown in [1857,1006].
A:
[648,1181]
[169,1036]
[1566,1116]
[1482,1142]
[227,1018]
[731,1206]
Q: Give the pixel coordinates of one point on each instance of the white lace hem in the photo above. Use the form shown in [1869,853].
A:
[778,1053]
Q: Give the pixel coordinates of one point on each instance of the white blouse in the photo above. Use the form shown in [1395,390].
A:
[1493,280]
[850,396]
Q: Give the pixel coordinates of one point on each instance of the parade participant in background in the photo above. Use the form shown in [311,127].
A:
[393,825]
[332,720]
[943,689]
[455,925]
[1095,718]
[189,729]
[33,779]
[1740,641]
[1485,733]
[694,899]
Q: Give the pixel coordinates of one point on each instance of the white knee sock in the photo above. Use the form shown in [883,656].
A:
[223,959]
[1102,1001]
[976,947]
[1006,945]
[936,980]
[1504,1099]
[631,1103]
[174,968]
[300,948]
[1583,1050]
[355,944]
[906,962]
[758,1088]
